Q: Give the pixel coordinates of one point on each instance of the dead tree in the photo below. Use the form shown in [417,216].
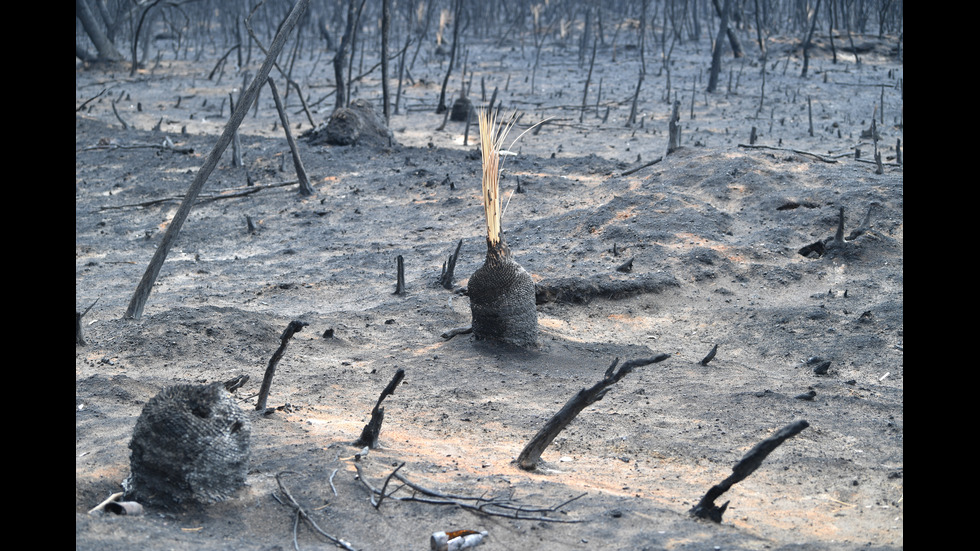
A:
[716,53]
[732,37]
[808,40]
[385,28]
[103,44]
[457,15]
[340,58]
[135,308]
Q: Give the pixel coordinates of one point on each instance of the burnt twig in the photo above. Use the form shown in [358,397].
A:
[797,151]
[528,459]
[291,329]
[400,277]
[371,431]
[475,504]
[446,279]
[706,508]
[641,167]
[301,513]
[710,356]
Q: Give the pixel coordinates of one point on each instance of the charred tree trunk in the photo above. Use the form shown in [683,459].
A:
[808,40]
[502,299]
[385,26]
[732,37]
[106,50]
[719,42]
[339,60]
[457,15]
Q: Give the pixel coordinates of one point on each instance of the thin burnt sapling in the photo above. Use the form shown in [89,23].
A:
[502,295]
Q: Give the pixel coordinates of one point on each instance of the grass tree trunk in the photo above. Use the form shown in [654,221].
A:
[501,292]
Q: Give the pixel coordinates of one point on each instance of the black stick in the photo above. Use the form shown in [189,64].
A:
[706,508]
[291,329]
[528,459]
[446,280]
[809,109]
[304,183]
[588,79]
[710,356]
[302,100]
[372,430]
[641,167]
[400,277]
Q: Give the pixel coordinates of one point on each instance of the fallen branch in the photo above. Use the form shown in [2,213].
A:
[639,168]
[577,290]
[227,194]
[797,151]
[479,505]
[304,183]
[371,431]
[528,459]
[89,100]
[166,146]
[302,514]
[706,508]
[108,500]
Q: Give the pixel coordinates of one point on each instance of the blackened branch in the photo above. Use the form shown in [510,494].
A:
[293,328]
[528,459]
[706,508]
[371,432]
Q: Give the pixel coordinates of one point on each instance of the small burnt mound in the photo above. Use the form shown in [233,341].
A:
[358,124]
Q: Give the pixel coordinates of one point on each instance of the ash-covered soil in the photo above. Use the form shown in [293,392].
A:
[714,232]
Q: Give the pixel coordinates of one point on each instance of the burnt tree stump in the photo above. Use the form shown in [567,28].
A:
[190,445]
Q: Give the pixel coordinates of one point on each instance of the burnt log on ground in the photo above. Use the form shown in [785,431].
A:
[577,290]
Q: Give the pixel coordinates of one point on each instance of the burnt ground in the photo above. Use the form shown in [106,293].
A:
[714,233]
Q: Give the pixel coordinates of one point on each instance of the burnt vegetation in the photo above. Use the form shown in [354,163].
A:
[335,74]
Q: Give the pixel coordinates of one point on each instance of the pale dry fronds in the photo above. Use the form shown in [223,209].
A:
[492,136]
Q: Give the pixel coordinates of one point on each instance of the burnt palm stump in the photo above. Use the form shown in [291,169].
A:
[190,445]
